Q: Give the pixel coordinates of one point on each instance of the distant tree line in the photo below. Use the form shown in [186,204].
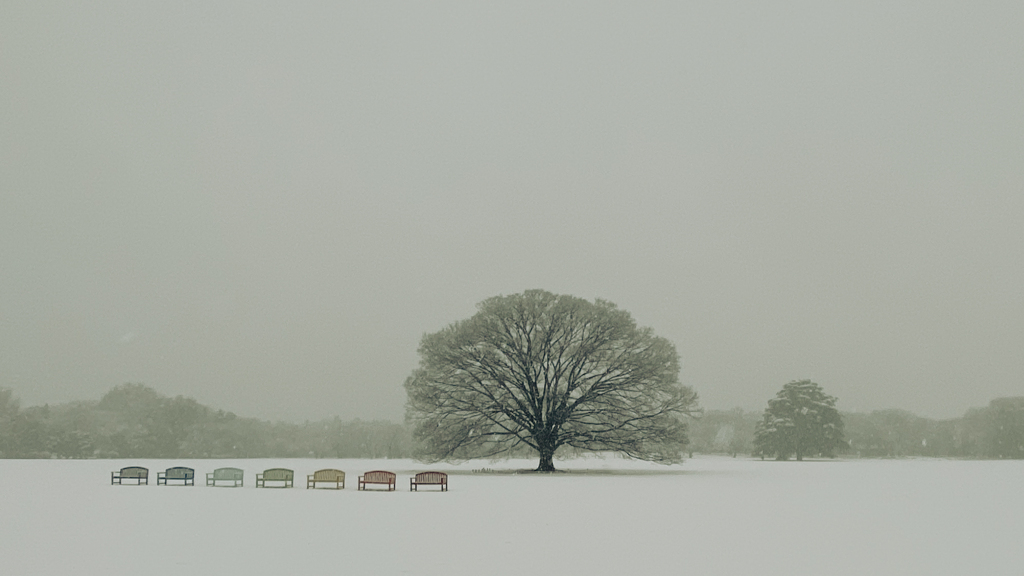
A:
[134,421]
[995,431]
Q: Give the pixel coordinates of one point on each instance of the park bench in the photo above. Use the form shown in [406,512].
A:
[137,473]
[429,479]
[187,476]
[283,475]
[327,475]
[377,477]
[233,475]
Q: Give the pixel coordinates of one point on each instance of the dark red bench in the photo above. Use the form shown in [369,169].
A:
[429,479]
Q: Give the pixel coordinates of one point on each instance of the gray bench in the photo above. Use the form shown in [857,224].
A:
[233,475]
[327,476]
[283,475]
[187,476]
[137,473]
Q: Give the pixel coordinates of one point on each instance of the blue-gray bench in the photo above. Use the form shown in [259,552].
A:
[137,473]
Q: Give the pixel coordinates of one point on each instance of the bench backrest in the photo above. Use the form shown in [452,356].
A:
[431,477]
[227,474]
[328,475]
[134,472]
[180,473]
[379,476]
[278,474]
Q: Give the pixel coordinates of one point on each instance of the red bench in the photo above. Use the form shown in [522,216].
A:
[377,477]
[429,479]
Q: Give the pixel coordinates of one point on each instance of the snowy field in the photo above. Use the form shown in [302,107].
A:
[605,516]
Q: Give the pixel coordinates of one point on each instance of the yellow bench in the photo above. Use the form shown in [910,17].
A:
[327,475]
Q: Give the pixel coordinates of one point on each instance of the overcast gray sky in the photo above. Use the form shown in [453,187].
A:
[266,206]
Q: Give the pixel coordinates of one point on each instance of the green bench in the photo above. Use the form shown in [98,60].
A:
[282,475]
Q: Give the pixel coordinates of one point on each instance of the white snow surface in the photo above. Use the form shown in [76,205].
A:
[709,515]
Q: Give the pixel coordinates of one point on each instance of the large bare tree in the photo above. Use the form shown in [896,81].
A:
[545,371]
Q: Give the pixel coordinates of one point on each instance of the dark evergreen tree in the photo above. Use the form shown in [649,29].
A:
[800,421]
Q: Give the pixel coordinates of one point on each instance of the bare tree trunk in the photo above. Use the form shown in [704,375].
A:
[547,463]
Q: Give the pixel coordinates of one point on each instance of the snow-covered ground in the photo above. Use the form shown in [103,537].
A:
[606,516]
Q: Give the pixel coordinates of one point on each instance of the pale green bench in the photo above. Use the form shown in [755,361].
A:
[283,475]
[233,475]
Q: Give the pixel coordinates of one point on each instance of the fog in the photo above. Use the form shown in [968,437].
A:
[266,207]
